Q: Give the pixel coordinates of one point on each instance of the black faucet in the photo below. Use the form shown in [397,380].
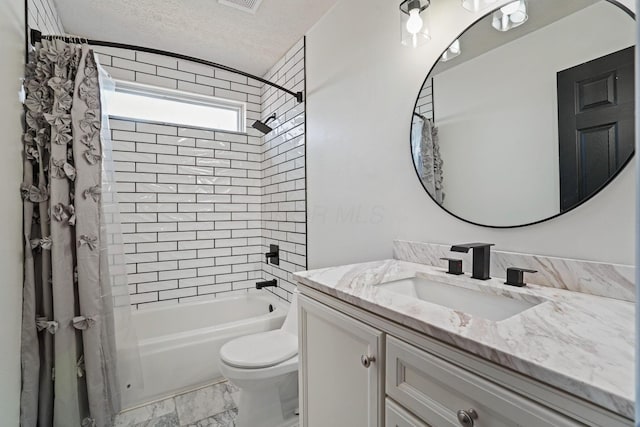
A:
[481,258]
[266,284]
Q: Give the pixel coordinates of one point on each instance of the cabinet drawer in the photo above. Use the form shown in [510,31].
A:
[397,416]
[435,390]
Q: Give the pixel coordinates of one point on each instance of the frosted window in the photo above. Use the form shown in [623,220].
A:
[152,104]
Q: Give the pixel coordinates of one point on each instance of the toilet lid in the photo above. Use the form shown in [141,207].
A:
[260,350]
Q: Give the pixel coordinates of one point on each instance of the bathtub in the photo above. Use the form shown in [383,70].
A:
[179,345]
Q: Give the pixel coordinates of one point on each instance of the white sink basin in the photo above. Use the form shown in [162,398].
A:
[473,302]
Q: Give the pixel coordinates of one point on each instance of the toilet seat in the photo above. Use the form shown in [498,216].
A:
[261,350]
[240,375]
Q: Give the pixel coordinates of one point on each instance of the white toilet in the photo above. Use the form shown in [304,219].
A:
[265,368]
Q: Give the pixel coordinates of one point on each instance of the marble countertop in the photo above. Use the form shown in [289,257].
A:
[579,343]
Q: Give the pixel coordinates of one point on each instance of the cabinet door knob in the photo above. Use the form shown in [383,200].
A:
[367,360]
[467,418]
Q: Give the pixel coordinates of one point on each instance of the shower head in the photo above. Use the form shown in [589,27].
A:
[262,126]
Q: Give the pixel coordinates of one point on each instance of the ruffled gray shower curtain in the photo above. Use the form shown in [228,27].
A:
[69,348]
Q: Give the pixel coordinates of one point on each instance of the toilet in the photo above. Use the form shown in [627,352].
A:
[265,368]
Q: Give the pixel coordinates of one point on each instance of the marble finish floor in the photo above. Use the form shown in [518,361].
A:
[211,406]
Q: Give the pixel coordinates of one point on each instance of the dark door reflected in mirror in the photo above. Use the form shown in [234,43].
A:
[516,127]
[595,124]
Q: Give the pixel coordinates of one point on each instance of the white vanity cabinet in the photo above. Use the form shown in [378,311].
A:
[360,370]
[342,369]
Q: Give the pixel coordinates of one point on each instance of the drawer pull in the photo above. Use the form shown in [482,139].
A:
[367,360]
[467,418]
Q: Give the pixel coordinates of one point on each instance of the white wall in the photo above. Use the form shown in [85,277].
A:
[11,66]
[362,188]
[500,107]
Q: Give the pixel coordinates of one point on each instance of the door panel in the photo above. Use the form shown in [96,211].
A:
[598,156]
[597,92]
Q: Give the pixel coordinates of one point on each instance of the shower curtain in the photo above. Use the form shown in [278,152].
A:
[75,330]
[425,150]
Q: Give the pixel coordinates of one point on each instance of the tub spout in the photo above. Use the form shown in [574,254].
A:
[266,284]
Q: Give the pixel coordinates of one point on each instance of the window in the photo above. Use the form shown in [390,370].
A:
[153,104]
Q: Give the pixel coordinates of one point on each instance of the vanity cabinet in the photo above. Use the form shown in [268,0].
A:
[360,370]
[342,369]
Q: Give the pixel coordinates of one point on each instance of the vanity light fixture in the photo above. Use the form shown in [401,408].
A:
[476,5]
[414,22]
[453,51]
[510,16]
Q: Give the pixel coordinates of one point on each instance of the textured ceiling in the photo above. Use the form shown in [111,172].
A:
[200,28]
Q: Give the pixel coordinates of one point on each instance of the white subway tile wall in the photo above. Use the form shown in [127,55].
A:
[43,16]
[284,174]
[196,214]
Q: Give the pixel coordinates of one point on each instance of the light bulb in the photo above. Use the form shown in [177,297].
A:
[518,17]
[452,52]
[455,47]
[414,23]
[510,8]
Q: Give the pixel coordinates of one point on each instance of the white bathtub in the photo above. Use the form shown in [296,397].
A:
[180,344]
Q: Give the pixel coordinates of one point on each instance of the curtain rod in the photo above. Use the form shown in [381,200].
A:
[37,36]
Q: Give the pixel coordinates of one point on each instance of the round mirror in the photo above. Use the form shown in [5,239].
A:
[529,113]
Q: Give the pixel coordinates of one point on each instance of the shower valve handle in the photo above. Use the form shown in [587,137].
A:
[273,255]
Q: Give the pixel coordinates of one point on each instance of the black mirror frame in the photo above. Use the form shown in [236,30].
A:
[595,193]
